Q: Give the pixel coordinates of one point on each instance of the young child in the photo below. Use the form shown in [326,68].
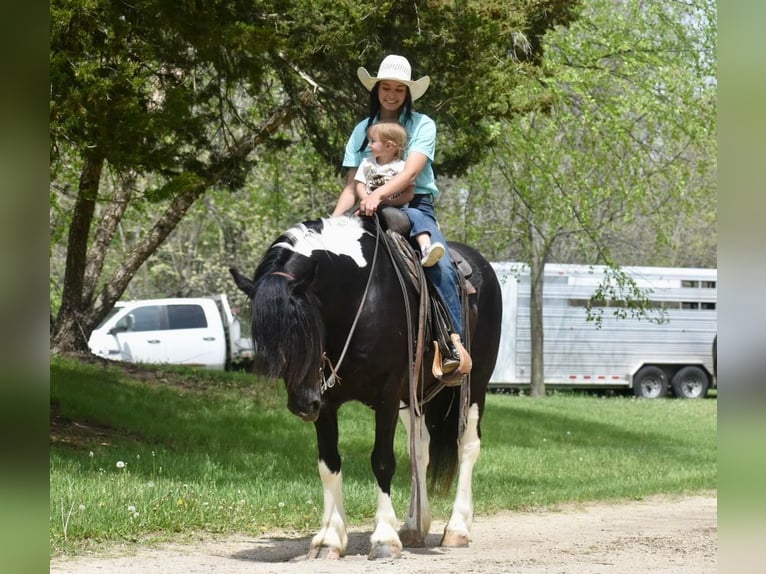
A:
[387,142]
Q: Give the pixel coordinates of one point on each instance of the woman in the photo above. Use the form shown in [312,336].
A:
[392,92]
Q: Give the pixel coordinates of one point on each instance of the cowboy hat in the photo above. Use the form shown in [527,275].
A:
[395,68]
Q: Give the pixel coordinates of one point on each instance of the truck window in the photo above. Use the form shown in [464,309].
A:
[112,313]
[186,317]
[147,318]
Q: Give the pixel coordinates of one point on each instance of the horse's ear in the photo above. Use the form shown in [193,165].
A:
[243,282]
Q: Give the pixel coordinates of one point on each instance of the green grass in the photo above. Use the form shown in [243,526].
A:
[575,448]
[220,453]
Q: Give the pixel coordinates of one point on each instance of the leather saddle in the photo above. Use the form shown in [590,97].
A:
[397,226]
[394,219]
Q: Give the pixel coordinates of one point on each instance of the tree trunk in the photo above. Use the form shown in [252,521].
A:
[536,274]
[68,332]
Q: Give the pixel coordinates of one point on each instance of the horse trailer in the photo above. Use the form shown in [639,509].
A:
[671,350]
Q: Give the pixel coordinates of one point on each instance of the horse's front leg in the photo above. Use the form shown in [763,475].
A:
[384,542]
[332,539]
[458,529]
[411,534]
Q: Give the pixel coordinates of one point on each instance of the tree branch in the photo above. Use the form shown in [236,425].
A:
[189,188]
[104,235]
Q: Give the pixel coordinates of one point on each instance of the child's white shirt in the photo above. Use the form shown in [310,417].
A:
[373,174]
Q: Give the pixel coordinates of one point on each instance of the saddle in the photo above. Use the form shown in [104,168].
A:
[439,325]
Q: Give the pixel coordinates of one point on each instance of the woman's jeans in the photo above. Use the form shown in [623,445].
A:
[443,275]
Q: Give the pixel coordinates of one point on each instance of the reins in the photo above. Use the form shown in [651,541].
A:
[414,369]
[330,382]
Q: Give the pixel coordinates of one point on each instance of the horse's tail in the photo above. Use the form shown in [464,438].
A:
[442,418]
[286,327]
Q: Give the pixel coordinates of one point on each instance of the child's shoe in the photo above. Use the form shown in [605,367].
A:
[432,254]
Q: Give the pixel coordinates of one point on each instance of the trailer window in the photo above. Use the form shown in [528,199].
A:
[652,304]
[694,284]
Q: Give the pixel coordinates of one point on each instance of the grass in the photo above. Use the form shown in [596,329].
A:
[152,455]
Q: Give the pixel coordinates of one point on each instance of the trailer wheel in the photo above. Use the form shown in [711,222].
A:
[690,383]
[650,383]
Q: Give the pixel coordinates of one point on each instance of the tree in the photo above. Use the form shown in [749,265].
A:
[168,100]
[629,136]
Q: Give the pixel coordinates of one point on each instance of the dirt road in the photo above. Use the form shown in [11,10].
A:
[675,535]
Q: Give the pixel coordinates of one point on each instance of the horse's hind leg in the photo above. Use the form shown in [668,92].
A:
[458,529]
[409,533]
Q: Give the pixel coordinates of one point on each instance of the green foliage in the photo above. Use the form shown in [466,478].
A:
[178,99]
[616,165]
[625,152]
[148,84]
[158,454]
[179,184]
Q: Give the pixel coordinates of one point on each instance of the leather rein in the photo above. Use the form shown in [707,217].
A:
[415,363]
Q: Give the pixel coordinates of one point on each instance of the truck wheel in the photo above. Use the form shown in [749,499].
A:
[650,383]
[690,383]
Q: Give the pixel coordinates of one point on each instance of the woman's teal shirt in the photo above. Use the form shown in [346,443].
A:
[421,137]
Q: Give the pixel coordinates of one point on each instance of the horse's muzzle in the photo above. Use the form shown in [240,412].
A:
[305,405]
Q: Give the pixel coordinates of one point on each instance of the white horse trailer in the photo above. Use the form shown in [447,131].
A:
[650,357]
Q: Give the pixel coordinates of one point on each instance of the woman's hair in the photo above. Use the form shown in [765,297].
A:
[375,109]
[390,132]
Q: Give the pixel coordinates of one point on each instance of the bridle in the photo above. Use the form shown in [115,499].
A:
[329,382]
[283,274]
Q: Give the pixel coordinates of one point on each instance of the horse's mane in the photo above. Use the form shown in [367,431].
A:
[288,334]
[278,255]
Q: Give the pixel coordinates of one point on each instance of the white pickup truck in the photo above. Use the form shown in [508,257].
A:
[199,331]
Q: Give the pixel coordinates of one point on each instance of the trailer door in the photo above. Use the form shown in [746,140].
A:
[505,367]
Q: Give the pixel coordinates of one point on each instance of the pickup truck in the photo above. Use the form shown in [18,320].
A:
[197,331]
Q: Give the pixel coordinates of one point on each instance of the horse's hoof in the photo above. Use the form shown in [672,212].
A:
[324,553]
[382,551]
[411,538]
[455,539]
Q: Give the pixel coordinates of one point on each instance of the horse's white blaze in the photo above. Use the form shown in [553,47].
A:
[339,235]
[422,439]
[333,532]
[385,533]
[468,452]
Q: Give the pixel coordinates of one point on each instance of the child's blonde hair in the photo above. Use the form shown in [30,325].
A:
[390,132]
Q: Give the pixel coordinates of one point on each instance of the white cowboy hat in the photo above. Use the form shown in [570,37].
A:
[398,69]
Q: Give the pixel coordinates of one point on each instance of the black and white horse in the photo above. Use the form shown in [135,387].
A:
[311,304]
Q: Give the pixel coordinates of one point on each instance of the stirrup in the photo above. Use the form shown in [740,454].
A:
[450,371]
[466,363]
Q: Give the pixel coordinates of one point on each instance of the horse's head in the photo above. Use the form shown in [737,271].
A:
[288,327]
[287,337]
